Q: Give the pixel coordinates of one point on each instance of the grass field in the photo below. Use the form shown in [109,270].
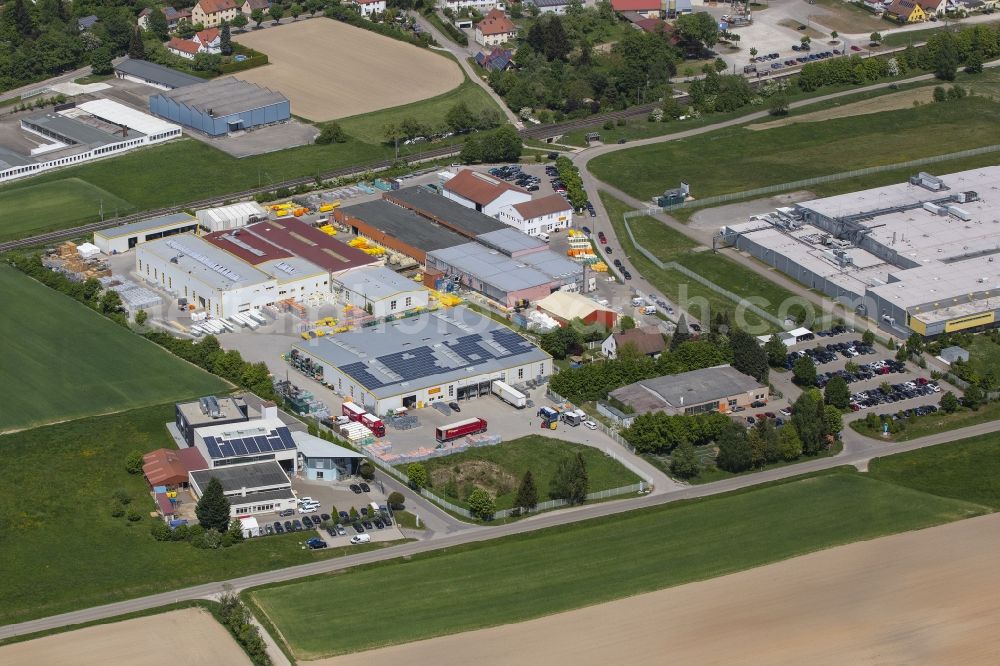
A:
[670,245]
[63,550]
[61,360]
[597,560]
[499,469]
[735,159]
[33,208]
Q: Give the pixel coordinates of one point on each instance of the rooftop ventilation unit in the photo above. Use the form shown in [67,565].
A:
[928,182]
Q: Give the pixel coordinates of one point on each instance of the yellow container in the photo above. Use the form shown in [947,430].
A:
[283,212]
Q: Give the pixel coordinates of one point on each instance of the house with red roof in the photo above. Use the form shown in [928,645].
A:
[185,48]
[495,29]
[210,40]
[538,216]
[211,13]
[483,192]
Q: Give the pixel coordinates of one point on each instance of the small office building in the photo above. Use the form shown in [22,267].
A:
[207,411]
[252,441]
[261,487]
[386,291]
[320,460]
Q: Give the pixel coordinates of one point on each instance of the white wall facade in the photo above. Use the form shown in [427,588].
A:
[494,40]
[536,225]
[482,6]
[397,303]
[370,8]
[493,208]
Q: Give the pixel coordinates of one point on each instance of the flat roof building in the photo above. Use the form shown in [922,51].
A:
[250,441]
[125,237]
[420,360]
[151,74]
[220,106]
[446,212]
[206,411]
[321,460]
[717,389]
[386,291]
[261,487]
[397,228]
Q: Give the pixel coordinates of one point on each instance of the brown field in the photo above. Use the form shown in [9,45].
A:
[330,70]
[890,102]
[926,597]
[188,637]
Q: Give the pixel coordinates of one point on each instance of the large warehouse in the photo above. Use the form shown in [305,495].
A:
[125,237]
[397,228]
[444,211]
[156,76]
[916,256]
[221,106]
[432,357]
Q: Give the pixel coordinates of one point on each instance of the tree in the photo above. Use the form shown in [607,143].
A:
[225,40]
[626,323]
[331,133]
[213,507]
[136,48]
[973,397]
[459,118]
[396,500]
[527,494]
[697,31]
[481,504]
[808,413]
[240,21]
[974,63]
[417,475]
[111,302]
[158,24]
[734,449]
[684,462]
[159,530]
[100,61]
[133,462]
[257,16]
[352,514]
[276,11]
[570,481]
[834,35]
[681,334]
[949,403]
[140,317]
[805,39]
[945,55]
[875,38]
[902,354]
[208,62]
[366,470]
[868,337]
[234,534]
[833,420]
[776,351]
[804,371]
[295,11]
[789,442]
[778,105]
[548,37]
[837,393]
[748,356]
[753,53]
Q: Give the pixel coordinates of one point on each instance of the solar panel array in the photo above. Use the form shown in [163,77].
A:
[279,439]
[205,261]
[426,361]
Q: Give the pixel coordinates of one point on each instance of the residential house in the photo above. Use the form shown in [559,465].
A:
[86,23]
[497,60]
[549,6]
[174,17]
[185,48]
[481,6]
[248,7]
[538,216]
[483,192]
[369,8]
[648,342]
[645,8]
[211,13]
[209,40]
[907,11]
[495,29]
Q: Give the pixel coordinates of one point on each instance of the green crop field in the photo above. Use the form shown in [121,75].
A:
[737,159]
[62,549]
[62,360]
[499,469]
[530,575]
[27,209]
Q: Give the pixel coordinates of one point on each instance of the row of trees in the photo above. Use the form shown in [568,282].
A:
[662,433]
[89,292]
[459,119]
[500,145]
[570,176]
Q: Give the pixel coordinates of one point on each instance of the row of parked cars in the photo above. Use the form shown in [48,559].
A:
[828,354]
[865,371]
[896,392]
[513,173]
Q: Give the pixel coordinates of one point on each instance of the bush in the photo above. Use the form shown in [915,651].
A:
[133,462]
[331,133]
[396,501]
[160,530]
[117,509]
[366,470]
[481,505]
[133,515]
[180,533]
[121,497]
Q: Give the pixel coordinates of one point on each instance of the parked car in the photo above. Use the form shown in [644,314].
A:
[361,538]
[368,524]
[344,516]
[296,525]
[316,543]
[278,528]
[324,517]
[455,406]
[358,527]
[355,488]
[365,488]
[287,512]
[288,526]
[590,425]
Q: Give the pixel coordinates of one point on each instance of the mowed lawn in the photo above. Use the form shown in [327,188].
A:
[509,461]
[527,576]
[62,360]
[62,549]
[736,159]
[27,209]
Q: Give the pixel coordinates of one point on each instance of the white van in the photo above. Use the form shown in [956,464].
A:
[361,538]
[649,310]
[542,236]
[638,301]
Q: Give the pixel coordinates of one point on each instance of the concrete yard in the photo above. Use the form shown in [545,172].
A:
[330,70]
[190,636]
[925,597]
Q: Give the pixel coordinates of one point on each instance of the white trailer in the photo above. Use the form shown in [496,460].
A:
[247,321]
[256,316]
[509,394]
[226,325]
[236,320]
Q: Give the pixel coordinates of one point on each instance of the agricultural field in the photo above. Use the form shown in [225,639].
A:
[62,548]
[736,159]
[28,208]
[62,360]
[554,570]
[331,70]
[499,469]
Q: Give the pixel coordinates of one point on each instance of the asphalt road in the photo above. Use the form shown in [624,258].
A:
[858,451]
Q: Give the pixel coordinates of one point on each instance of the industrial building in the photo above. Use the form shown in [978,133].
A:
[156,76]
[221,106]
[434,356]
[444,211]
[321,460]
[230,217]
[261,487]
[717,389]
[916,256]
[206,411]
[266,438]
[80,133]
[384,290]
[566,306]
[171,467]
[482,192]
[397,229]
[125,237]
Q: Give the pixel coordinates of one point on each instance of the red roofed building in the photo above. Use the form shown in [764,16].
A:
[210,40]
[185,48]
[482,192]
[538,216]
[648,8]
[302,240]
[211,13]
[170,467]
[495,29]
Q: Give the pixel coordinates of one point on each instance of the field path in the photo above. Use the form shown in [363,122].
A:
[926,597]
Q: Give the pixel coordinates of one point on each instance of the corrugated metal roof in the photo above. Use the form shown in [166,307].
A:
[225,96]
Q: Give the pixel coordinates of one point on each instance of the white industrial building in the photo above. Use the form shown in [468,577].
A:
[259,440]
[431,357]
[231,217]
[387,291]
[125,237]
[483,192]
[261,487]
[538,216]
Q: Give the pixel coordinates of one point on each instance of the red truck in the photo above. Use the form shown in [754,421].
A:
[460,429]
[352,411]
[374,424]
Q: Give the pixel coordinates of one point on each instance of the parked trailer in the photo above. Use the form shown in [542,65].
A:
[256,316]
[460,429]
[509,394]
[226,325]
[352,411]
[374,424]
[236,320]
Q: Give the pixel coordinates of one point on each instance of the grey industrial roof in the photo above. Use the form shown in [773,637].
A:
[146,225]
[505,273]
[376,282]
[198,257]
[427,350]
[150,71]
[311,446]
[405,225]
[509,240]
[471,222]
[225,96]
[686,389]
[228,407]
[75,130]
[8,158]
[236,477]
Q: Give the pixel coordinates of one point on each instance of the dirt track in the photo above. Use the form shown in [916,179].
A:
[188,637]
[890,102]
[329,69]
[928,597]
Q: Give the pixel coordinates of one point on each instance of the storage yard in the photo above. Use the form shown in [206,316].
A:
[331,70]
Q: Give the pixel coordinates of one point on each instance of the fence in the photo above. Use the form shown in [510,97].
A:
[426,494]
[557,503]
